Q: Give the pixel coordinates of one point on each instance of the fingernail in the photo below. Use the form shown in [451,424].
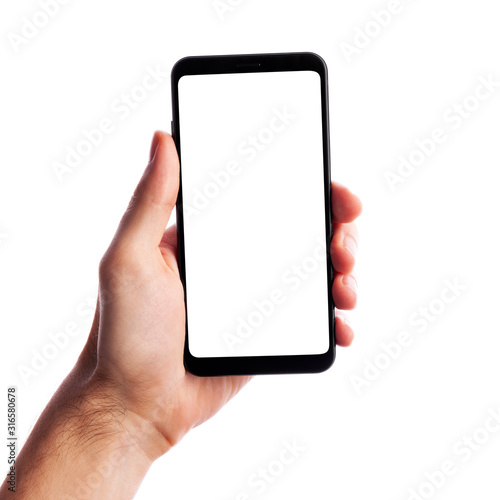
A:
[154,147]
[351,244]
[350,281]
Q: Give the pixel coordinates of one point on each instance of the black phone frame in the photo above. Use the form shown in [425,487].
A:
[257,63]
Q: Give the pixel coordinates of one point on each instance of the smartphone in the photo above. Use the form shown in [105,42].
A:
[254,213]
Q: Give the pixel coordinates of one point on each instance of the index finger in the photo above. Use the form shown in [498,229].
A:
[346,206]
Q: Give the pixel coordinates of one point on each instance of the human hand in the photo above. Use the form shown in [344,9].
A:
[135,348]
[129,398]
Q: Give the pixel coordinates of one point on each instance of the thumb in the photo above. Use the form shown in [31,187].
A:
[148,213]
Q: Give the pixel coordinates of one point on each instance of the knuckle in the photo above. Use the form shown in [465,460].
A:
[121,267]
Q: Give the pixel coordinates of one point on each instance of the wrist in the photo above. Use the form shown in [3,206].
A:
[87,434]
[127,430]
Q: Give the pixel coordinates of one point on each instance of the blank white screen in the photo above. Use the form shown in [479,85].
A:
[254,221]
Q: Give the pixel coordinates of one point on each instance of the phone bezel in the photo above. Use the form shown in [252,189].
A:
[256,63]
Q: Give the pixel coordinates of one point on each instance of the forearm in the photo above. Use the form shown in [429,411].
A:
[85,445]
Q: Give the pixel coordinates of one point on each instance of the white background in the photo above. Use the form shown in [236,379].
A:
[441,223]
